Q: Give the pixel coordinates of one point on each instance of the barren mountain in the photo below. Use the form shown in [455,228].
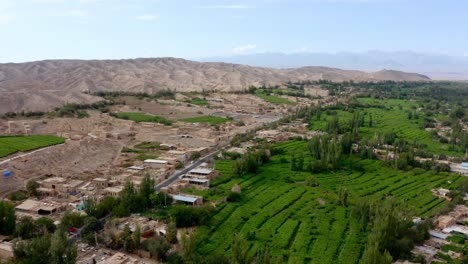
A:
[43,85]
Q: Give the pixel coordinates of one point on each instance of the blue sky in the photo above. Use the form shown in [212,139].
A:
[114,29]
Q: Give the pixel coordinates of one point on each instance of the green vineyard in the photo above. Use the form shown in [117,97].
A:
[12,144]
[394,117]
[303,224]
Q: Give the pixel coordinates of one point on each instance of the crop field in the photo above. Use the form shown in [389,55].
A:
[274,99]
[199,101]
[303,224]
[12,144]
[212,120]
[394,118]
[140,117]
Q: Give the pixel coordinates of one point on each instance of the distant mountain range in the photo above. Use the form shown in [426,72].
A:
[43,85]
[439,67]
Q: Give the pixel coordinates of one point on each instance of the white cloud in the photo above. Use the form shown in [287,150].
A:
[147,17]
[227,7]
[465,54]
[244,49]
[74,13]
[303,49]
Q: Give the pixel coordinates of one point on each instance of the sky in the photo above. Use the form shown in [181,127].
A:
[117,29]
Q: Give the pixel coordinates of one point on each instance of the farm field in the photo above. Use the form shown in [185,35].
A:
[303,224]
[274,99]
[394,119]
[212,120]
[12,144]
[140,117]
[199,101]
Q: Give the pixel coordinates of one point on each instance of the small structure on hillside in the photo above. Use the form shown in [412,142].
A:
[188,199]
[154,163]
[38,208]
[203,173]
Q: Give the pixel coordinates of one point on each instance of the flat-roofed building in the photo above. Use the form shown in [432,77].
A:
[100,182]
[113,191]
[52,183]
[195,181]
[155,163]
[180,155]
[203,173]
[38,207]
[170,160]
[188,199]
[461,168]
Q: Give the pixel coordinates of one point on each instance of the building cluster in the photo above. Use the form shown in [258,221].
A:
[284,132]
[198,177]
[445,226]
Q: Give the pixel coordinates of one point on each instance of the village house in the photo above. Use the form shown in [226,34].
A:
[100,183]
[203,173]
[38,207]
[461,168]
[113,191]
[188,199]
[179,155]
[155,163]
[195,181]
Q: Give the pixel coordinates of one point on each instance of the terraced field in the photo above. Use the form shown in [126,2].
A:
[394,119]
[274,99]
[212,120]
[12,144]
[303,224]
[141,117]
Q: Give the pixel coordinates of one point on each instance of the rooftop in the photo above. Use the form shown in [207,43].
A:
[116,189]
[54,180]
[184,198]
[201,171]
[155,161]
[136,168]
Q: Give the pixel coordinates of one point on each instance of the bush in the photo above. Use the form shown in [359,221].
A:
[233,197]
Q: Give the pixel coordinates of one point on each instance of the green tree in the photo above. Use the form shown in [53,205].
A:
[44,226]
[35,251]
[146,190]
[61,252]
[7,218]
[31,187]
[25,229]
[137,236]
[126,239]
[72,219]
[171,232]
[160,200]
[195,155]
[158,247]
[343,197]
[240,250]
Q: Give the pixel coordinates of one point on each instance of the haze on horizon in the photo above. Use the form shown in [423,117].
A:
[225,30]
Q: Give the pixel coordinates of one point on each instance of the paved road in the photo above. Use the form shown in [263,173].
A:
[177,174]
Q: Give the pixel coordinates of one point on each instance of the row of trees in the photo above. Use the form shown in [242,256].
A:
[251,161]
[37,241]
[130,201]
[392,233]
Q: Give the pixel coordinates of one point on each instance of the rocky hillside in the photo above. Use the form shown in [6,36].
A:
[43,85]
